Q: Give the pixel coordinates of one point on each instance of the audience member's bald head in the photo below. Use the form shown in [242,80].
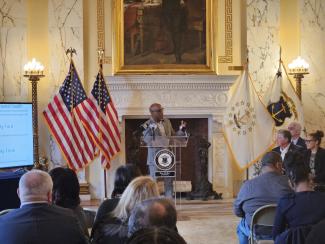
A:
[156,212]
[35,185]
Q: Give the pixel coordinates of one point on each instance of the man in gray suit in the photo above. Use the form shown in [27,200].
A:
[158,126]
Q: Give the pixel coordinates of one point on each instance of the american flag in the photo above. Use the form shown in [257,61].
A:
[100,118]
[65,124]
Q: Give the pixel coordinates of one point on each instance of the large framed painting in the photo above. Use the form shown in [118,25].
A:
[164,36]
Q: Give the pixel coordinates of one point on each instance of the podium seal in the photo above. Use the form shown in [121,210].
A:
[165,160]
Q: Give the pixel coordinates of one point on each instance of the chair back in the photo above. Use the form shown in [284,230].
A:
[90,216]
[263,216]
[5,211]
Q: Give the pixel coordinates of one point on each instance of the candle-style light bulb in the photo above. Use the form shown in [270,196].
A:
[33,68]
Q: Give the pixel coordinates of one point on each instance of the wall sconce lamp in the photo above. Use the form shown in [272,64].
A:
[298,68]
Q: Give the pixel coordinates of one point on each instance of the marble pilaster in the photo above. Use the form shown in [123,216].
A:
[312,31]
[65,31]
[263,41]
[263,44]
[13,50]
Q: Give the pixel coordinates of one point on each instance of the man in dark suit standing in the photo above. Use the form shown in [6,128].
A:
[37,221]
[295,130]
[285,146]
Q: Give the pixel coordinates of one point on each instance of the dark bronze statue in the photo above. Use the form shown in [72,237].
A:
[134,148]
[203,188]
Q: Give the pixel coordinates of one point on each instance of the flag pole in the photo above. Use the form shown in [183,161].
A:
[280,58]
[69,52]
[247,60]
[100,58]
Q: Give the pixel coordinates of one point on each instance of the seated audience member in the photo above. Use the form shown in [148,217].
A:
[295,130]
[155,212]
[284,145]
[317,234]
[315,158]
[123,176]
[114,227]
[37,220]
[154,235]
[264,189]
[303,208]
[66,191]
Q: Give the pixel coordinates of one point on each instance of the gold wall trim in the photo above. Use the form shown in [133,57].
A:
[101,30]
[228,57]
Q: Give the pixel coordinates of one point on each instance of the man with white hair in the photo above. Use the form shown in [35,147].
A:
[37,220]
[295,130]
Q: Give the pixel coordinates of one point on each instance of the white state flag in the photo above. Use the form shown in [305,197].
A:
[248,127]
[282,101]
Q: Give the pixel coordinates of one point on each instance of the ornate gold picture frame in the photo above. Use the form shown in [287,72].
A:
[164,36]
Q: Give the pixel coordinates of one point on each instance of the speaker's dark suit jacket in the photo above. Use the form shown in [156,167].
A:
[40,223]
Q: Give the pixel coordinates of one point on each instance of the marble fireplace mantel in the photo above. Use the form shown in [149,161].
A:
[186,96]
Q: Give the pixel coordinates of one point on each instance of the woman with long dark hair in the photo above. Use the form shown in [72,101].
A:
[66,191]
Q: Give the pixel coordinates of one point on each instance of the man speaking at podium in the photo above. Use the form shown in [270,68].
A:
[158,126]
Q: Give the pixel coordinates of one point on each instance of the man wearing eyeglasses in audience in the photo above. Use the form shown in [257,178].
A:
[158,126]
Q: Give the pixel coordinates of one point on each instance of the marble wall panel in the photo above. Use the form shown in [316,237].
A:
[65,31]
[263,41]
[263,44]
[13,50]
[312,31]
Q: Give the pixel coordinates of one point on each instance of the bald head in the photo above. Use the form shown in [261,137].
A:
[156,111]
[35,185]
[158,209]
[153,212]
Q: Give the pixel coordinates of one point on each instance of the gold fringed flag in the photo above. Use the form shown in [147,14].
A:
[248,127]
[282,101]
[100,119]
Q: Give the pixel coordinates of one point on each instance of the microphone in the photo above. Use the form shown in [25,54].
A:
[143,126]
[153,133]
[153,127]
